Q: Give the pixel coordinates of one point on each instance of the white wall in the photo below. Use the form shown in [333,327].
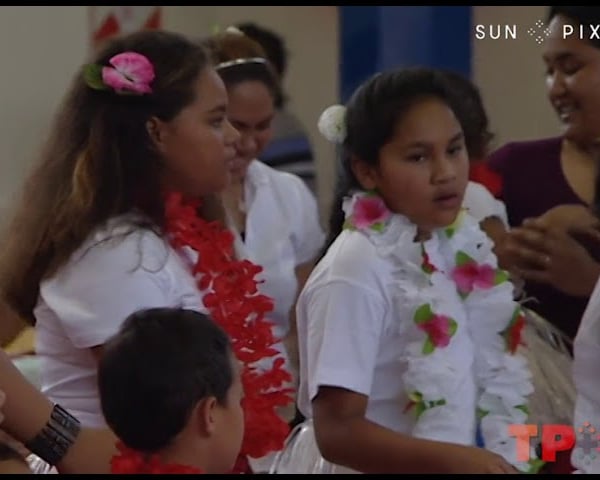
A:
[510,74]
[40,49]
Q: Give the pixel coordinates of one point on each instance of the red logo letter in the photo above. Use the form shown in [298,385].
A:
[556,438]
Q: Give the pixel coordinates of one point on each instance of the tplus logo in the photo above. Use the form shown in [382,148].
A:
[587,445]
[585,441]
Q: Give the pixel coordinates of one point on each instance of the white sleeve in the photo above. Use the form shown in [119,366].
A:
[344,327]
[94,294]
[586,358]
[308,236]
[481,204]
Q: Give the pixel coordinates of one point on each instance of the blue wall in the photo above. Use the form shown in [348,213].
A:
[377,38]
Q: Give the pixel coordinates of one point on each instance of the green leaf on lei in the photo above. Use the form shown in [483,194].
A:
[451,229]
[462,258]
[523,408]
[535,465]
[423,314]
[501,277]
[428,347]
[452,327]
[378,227]
[348,225]
[481,413]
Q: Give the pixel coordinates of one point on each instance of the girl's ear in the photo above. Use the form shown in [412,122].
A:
[365,174]
[157,131]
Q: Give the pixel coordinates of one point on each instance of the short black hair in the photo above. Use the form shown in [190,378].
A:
[585,16]
[154,371]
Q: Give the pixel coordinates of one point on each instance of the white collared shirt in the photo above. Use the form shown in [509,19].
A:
[86,301]
[282,232]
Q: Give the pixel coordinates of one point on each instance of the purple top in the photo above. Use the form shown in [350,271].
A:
[533,183]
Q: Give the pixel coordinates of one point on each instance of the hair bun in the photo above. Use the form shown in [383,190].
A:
[332,123]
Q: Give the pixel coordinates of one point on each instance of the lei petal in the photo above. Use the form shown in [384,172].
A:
[129,461]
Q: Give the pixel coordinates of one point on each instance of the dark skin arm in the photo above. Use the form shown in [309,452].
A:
[291,339]
[554,257]
[26,411]
[346,437]
[544,249]
[495,230]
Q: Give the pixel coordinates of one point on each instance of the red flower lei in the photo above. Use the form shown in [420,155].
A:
[233,300]
[131,461]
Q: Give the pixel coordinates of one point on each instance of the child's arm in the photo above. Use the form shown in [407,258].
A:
[346,437]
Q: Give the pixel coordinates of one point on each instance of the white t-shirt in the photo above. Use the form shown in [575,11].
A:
[282,232]
[111,276]
[481,204]
[348,336]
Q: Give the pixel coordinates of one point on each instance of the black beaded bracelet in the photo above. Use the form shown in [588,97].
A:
[53,441]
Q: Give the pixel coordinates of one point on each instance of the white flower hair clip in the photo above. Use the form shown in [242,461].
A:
[332,123]
[234,31]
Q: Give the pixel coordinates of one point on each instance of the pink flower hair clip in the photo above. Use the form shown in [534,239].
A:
[129,73]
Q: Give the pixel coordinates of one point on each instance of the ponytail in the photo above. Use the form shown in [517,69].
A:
[346,182]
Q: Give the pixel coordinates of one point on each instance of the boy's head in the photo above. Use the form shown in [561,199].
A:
[169,381]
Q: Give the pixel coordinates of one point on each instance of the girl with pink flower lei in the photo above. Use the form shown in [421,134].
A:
[408,331]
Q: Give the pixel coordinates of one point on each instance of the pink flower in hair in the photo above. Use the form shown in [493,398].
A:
[130,72]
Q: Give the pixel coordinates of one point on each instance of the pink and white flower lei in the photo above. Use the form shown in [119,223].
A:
[460,302]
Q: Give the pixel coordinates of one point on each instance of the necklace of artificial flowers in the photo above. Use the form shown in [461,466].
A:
[230,294]
[129,461]
[465,327]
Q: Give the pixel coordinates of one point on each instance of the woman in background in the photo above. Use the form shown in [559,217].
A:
[548,184]
[273,212]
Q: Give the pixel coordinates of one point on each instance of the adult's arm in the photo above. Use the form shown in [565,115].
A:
[26,411]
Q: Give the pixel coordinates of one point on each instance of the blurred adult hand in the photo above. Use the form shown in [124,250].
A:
[569,218]
[543,250]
